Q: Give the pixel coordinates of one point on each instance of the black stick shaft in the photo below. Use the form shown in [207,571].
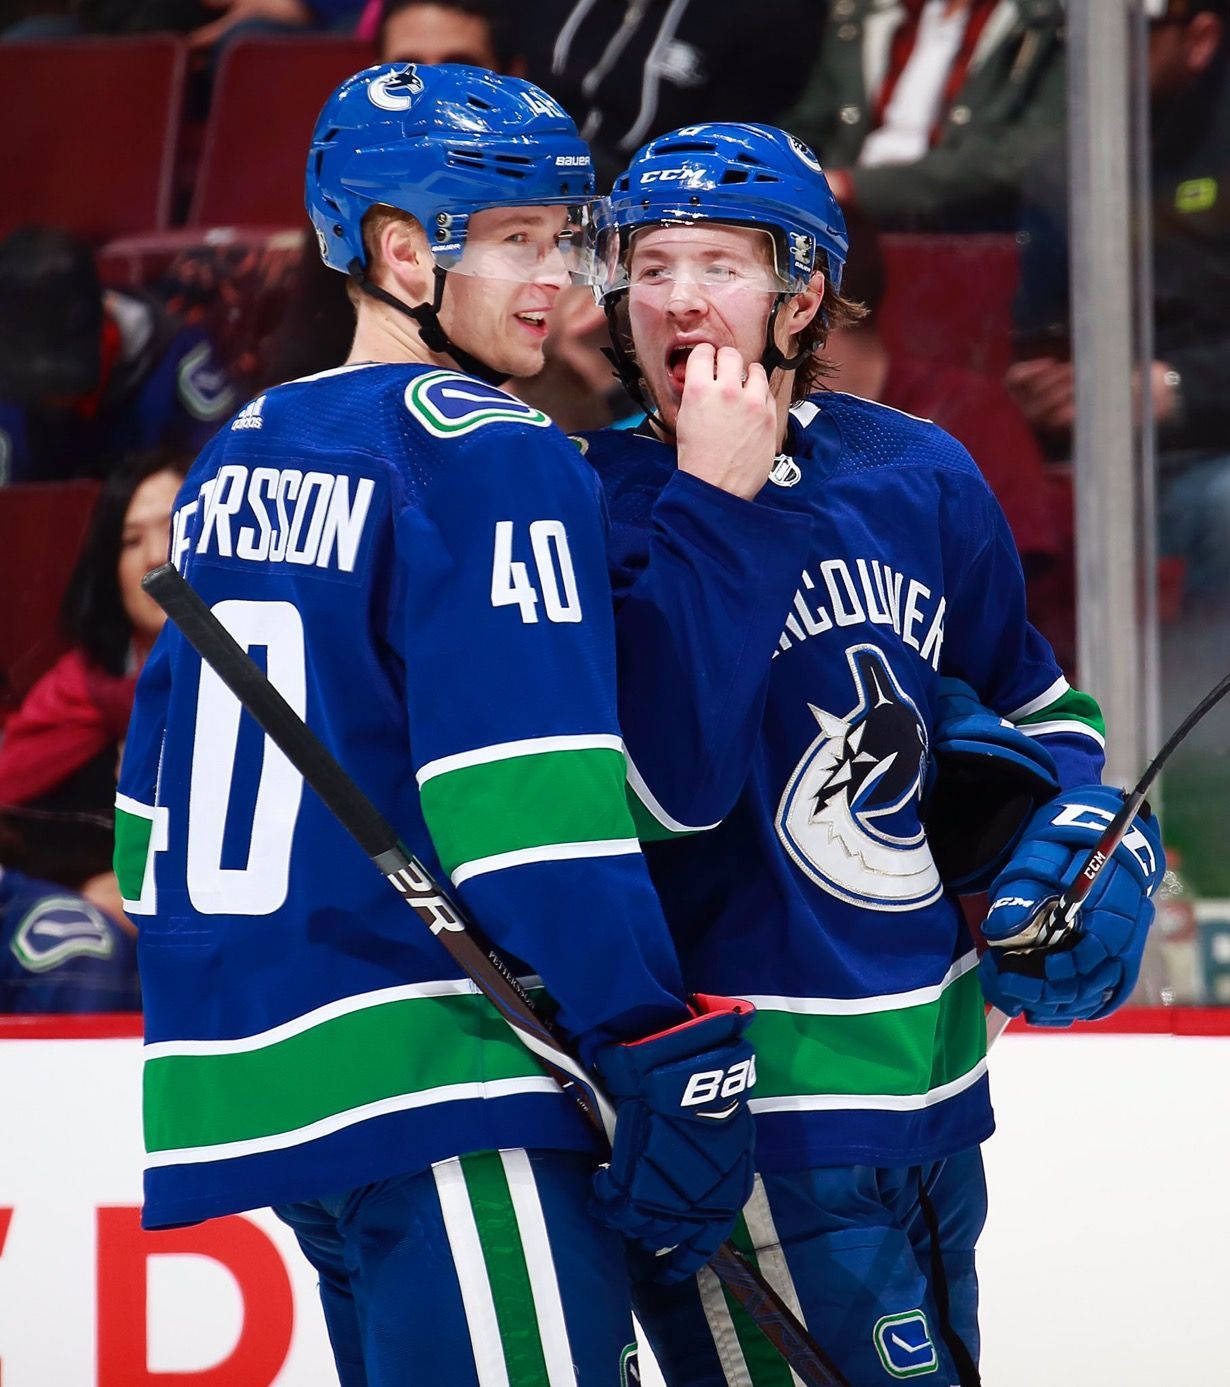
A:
[447,921]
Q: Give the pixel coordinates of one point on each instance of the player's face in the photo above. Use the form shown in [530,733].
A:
[499,300]
[143,545]
[691,284]
[436,34]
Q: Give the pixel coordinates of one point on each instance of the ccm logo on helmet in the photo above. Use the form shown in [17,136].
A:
[709,1085]
[669,176]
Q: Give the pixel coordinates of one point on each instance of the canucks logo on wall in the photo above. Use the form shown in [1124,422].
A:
[849,813]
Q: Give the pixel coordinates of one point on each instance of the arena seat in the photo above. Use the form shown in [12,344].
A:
[949,297]
[265,103]
[94,146]
[42,525]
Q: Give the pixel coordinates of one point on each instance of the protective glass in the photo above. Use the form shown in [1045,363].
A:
[644,268]
[523,245]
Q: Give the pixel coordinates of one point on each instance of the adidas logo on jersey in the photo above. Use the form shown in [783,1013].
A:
[249,417]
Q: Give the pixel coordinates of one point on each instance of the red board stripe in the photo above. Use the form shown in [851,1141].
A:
[87,1026]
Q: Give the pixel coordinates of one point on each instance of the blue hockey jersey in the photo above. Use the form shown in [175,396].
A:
[817,898]
[418,562]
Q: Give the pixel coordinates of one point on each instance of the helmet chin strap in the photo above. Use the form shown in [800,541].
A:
[624,362]
[773,358]
[629,373]
[431,329]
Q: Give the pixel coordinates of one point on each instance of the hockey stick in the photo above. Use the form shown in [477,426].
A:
[1053,925]
[447,921]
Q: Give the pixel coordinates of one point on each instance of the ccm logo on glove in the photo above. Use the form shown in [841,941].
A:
[1097,820]
[708,1085]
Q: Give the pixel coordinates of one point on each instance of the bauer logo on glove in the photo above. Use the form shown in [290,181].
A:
[710,1085]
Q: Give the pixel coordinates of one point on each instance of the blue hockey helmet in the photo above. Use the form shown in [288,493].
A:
[741,174]
[440,142]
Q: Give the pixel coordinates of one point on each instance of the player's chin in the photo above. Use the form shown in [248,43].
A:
[665,400]
[523,358]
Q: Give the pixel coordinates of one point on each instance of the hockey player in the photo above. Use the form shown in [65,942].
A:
[418,561]
[819,897]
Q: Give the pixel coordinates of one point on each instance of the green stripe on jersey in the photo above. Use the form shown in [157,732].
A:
[527,802]
[507,1271]
[1072,706]
[377,1052]
[132,837]
[904,1051]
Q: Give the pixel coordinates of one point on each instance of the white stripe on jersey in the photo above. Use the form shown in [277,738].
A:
[1047,696]
[862,1006]
[870,1102]
[770,1255]
[722,1327]
[549,852]
[646,796]
[344,1006]
[1048,729]
[544,1284]
[505,751]
[476,1297]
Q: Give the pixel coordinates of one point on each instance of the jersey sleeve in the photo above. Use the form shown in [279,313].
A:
[502,615]
[990,643]
[696,628]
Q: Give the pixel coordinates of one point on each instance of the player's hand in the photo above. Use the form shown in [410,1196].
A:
[681,1160]
[727,428]
[293,12]
[1092,971]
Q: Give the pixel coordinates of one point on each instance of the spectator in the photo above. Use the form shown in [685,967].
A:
[1189,377]
[444,31]
[60,750]
[61,953]
[630,72]
[926,113]
[38,19]
[980,414]
[89,376]
[246,18]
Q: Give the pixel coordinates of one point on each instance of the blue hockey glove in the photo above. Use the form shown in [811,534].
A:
[681,1163]
[985,780]
[1092,971]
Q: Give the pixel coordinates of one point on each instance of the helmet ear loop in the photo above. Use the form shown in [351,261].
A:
[773,358]
[621,356]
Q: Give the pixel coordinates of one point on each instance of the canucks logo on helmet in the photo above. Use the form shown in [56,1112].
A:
[848,816]
[395,91]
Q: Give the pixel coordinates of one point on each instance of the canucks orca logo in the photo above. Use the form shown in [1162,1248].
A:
[805,153]
[855,784]
[395,91]
[447,404]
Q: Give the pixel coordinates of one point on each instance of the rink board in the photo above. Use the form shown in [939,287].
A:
[1106,1258]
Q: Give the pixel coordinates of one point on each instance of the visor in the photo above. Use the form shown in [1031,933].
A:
[521,251]
[615,267]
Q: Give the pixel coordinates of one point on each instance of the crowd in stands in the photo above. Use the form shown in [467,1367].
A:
[127,336]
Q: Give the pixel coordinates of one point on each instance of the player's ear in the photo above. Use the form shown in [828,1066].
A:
[402,251]
[797,312]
